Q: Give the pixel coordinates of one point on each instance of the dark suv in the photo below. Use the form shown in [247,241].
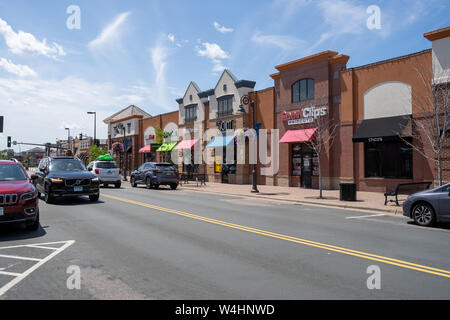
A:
[154,174]
[65,177]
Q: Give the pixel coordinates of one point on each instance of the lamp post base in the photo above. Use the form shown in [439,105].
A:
[255,190]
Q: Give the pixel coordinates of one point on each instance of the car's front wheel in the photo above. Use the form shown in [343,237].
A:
[132,182]
[423,214]
[35,225]
[48,198]
[94,197]
[173,186]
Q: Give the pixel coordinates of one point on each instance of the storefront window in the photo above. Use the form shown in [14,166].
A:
[391,159]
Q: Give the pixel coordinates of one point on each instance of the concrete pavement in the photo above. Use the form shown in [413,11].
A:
[165,244]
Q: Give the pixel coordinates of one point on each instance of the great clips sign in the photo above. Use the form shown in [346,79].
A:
[304,115]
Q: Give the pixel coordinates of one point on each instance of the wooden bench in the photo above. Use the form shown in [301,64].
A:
[190,176]
[405,189]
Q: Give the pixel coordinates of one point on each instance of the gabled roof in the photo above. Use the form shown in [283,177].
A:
[196,87]
[127,112]
[237,83]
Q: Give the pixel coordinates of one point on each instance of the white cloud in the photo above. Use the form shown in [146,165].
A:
[212,51]
[344,16]
[222,29]
[17,69]
[62,103]
[171,37]
[23,42]
[158,94]
[281,41]
[110,35]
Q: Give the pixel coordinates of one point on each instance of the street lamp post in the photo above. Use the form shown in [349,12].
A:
[68,139]
[245,100]
[125,158]
[95,125]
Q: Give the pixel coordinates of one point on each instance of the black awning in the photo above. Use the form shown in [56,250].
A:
[383,129]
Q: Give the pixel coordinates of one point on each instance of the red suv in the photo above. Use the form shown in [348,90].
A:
[18,196]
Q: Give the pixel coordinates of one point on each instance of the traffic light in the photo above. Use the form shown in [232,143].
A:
[9,142]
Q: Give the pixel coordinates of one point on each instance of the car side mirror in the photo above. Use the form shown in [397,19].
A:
[33,177]
[89,169]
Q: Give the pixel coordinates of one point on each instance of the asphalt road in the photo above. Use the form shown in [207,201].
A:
[164,244]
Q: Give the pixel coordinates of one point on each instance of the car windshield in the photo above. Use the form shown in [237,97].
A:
[106,165]
[11,172]
[69,165]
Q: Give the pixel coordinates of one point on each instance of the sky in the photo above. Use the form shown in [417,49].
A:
[54,67]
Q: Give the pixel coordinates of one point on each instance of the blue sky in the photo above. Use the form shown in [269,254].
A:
[146,52]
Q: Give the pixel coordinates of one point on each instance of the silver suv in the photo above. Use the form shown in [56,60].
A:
[107,172]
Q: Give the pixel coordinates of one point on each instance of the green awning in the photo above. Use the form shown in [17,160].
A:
[167,146]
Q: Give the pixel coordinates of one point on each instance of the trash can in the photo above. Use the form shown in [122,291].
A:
[347,192]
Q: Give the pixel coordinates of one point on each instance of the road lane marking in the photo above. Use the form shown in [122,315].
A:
[42,247]
[369,216]
[360,254]
[20,276]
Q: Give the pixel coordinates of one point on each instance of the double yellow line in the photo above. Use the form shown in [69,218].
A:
[360,254]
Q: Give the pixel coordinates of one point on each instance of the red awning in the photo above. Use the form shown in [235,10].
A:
[147,148]
[186,144]
[298,135]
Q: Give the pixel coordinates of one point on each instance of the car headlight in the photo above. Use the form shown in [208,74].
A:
[56,180]
[29,195]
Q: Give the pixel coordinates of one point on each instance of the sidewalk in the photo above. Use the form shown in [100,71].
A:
[370,201]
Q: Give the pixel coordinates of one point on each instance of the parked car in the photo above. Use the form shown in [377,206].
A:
[59,177]
[19,201]
[429,206]
[154,174]
[107,172]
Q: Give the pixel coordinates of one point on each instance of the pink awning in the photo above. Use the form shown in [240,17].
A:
[147,148]
[298,135]
[186,144]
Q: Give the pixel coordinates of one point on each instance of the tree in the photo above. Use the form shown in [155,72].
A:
[430,125]
[323,136]
[95,151]
[159,135]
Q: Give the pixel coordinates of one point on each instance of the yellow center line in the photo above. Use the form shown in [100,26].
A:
[360,254]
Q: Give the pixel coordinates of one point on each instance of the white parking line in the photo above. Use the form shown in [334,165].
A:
[20,276]
[18,258]
[369,216]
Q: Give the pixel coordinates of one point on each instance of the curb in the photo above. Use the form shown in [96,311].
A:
[343,206]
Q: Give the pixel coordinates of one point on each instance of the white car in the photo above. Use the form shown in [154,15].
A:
[107,172]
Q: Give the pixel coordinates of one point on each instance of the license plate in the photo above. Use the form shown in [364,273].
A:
[77,189]
[1,211]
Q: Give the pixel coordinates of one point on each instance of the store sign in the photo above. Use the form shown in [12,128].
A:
[225,125]
[304,115]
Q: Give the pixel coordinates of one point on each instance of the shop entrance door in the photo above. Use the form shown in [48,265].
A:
[307,166]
